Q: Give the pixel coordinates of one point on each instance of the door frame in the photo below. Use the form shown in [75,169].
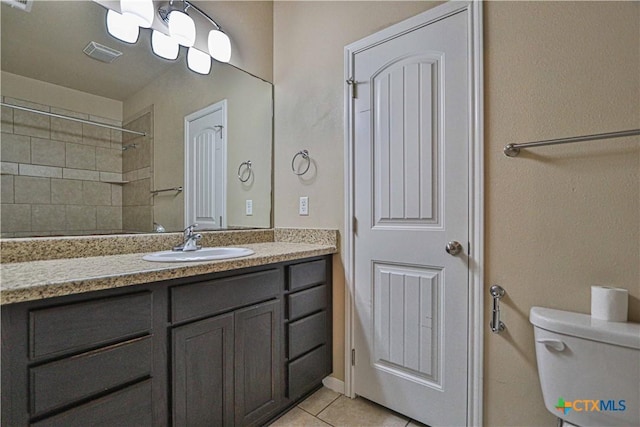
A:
[220,105]
[475,342]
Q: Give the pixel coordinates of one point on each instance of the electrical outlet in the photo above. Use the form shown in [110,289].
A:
[303,207]
[248,210]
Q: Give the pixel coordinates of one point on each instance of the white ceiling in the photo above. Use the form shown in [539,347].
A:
[46,44]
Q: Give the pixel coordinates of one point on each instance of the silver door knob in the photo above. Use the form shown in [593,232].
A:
[454,248]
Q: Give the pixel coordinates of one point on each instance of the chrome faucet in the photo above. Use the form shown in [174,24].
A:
[190,242]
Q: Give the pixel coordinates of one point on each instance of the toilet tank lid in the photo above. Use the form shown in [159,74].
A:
[580,325]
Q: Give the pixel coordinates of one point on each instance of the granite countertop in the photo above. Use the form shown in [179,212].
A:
[33,280]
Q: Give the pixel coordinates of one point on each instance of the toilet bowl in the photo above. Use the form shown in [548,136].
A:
[589,369]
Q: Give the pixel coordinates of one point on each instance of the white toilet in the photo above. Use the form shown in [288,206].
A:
[589,369]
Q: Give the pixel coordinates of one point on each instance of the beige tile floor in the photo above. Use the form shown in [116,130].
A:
[328,408]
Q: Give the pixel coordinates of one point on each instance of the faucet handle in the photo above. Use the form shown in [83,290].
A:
[192,243]
[188,232]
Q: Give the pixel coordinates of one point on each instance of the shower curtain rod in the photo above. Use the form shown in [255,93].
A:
[73,119]
[512,150]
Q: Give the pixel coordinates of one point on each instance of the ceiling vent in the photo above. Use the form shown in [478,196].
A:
[20,4]
[101,52]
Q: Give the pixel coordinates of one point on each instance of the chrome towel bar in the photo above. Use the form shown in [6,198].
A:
[176,189]
[512,150]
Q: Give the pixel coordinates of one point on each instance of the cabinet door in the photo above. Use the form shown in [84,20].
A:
[203,373]
[257,362]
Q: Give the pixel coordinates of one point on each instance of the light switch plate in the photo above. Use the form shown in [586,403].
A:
[248,208]
[303,207]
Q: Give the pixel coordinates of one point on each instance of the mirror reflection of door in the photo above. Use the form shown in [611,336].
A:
[205,167]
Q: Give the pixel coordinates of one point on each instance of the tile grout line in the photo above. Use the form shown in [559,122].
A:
[408,420]
[315,416]
[329,404]
[321,410]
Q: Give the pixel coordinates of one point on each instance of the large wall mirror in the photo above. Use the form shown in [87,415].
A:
[62,177]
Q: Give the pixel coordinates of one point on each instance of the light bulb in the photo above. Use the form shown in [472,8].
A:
[219,46]
[198,61]
[164,46]
[140,11]
[122,27]
[182,28]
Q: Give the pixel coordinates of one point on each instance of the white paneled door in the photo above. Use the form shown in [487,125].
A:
[205,167]
[411,132]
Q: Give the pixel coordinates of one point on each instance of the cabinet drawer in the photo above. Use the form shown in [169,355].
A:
[214,296]
[84,325]
[307,333]
[307,372]
[307,274]
[129,407]
[69,380]
[305,302]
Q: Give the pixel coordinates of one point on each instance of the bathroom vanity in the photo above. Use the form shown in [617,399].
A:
[234,347]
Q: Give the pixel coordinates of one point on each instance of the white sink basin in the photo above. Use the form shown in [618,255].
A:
[204,254]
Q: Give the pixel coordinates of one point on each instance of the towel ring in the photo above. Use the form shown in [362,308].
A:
[305,156]
[247,171]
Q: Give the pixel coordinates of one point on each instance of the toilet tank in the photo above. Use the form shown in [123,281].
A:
[589,369]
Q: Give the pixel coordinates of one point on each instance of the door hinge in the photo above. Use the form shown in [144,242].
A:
[353,357]
[351,82]
[355,225]
[468,248]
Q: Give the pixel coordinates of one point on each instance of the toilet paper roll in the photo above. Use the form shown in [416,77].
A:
[610,304]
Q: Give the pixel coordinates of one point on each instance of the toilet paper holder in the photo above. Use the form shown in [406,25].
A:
[496,325]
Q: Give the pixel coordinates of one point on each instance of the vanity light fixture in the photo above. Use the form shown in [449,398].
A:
[173,28]
[122,27]
[219,46]
[139,11]
[181,28]
[164,46]
[198,61]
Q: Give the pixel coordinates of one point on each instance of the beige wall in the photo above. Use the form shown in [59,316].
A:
[249,24]
[180,92]
[557,220]
[309,38]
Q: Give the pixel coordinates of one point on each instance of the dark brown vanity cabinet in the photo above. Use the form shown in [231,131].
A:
[223,349]
[69,360]
[226,368]
[203,373]
[257,357]
[308,326]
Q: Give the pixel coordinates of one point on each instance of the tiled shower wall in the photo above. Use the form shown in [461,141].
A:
[137,168]
[59,177]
